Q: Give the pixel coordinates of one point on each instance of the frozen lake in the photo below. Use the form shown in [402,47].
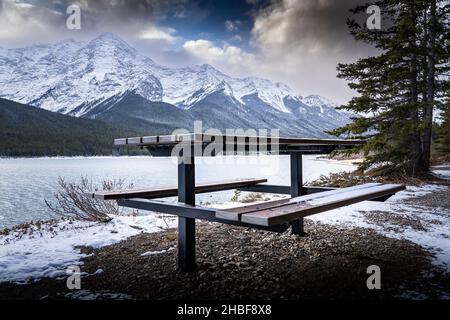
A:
[25,183]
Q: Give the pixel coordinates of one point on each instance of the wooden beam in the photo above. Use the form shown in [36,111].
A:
[195,212]
[298,207]
[248,140]
[172,192]
[271,188]
[235,213]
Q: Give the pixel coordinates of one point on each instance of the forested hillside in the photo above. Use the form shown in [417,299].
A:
[30,131]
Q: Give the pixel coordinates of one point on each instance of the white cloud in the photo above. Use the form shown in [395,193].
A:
[228,58]
[232,25]
[22,23]
[236,38]
[20,20]
[159,34]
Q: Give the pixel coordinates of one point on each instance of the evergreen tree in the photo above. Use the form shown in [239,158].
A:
[399,88]
[443,138]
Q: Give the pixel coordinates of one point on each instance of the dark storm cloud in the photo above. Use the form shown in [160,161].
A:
[124,8]
[113,13]
[28,21]
[106,13]
[129,9]
[308,38]
[314,23]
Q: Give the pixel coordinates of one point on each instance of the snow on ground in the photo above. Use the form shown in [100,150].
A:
[152,253]
[442,171]
[436,221]
[48,251]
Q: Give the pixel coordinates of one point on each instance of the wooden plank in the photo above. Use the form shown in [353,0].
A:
[149,140]
[134,140]
[271,188]
[120,142]
[174,139]
[171,192]
[231,139]
[334,192]
[297,209]
[195,212]
[234,214]
[169,139]
[284,213]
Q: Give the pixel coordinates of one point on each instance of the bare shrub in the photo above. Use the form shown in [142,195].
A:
[236,194]
[253,197]
[75,200]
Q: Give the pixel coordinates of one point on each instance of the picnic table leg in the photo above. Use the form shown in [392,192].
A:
[297,188]
[186,226]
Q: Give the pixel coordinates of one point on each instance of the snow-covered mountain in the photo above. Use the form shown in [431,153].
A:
[88,78]
[63,76]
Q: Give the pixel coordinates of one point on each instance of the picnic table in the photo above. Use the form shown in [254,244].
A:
[276,215]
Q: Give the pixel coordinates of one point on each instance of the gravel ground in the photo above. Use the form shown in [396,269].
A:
[235,263]
[434,199]
[399,223]
[390,222]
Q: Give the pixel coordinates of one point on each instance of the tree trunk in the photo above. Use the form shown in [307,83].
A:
[414,136]
[430,88]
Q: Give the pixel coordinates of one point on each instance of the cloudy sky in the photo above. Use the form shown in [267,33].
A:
[298,42]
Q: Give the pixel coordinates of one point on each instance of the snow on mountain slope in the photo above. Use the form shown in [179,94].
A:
[185,86]
[323,108]
[271,93]
[65,75]
[315,100]
[74,77]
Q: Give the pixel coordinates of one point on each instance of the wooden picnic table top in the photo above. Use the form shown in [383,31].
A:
[171,140]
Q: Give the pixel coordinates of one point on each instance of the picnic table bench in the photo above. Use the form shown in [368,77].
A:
[276,215]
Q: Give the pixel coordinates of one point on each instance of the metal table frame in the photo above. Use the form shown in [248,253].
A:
[188,212]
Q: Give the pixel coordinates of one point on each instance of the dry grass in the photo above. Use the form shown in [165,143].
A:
[252,197]
[441,159]
[348,179]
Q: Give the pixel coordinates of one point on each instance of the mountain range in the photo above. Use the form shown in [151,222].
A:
[107,79]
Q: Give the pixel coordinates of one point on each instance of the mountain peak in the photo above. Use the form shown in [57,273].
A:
[318,101]
[209,68]
[109,36]
[111,39]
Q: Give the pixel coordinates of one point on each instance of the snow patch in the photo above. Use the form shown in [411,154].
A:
[442,171]
[436,221]
[153,253]
[47,252]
